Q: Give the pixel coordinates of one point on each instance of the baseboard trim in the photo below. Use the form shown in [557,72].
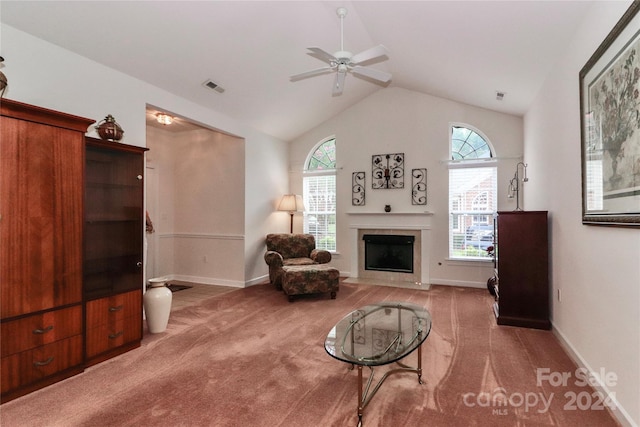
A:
[461,283]
[619,412]
[219,282]
[207,280]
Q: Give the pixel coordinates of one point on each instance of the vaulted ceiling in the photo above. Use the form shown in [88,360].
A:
[461,50]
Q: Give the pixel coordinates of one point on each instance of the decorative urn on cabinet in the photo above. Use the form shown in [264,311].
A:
[109,129]
[157,304]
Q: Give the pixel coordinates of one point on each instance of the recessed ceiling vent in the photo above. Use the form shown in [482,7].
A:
[214,86]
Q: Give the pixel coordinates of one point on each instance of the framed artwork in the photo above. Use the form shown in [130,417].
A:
[387,171]
[419,186]
[357,188]
[610,127]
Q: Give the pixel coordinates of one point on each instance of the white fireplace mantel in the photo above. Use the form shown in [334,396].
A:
[398,220]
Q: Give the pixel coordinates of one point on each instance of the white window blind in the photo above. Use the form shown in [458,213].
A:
[472,206]
[320,209]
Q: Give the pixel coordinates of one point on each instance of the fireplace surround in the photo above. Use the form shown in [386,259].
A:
[415,224]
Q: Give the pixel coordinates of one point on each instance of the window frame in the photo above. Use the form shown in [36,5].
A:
[456,215]
[309,173]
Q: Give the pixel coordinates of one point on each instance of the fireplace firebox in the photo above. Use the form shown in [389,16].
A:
[383,252]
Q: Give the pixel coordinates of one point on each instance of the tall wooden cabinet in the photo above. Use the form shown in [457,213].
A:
[113,248]
[522,269]
[41,222]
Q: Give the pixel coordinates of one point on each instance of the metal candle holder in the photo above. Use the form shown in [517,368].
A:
[514,184]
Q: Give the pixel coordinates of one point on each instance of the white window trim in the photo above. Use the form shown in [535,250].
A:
[470,163]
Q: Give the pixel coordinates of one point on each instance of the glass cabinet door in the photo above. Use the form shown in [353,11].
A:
[113,220]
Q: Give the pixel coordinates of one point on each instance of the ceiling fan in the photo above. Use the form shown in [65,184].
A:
[344,61]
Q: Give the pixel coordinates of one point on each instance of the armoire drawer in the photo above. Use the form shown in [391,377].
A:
[108,310]
[109,336]
[30,366]
[40,329]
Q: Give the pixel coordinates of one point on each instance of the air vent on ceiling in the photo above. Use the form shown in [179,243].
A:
[214,86]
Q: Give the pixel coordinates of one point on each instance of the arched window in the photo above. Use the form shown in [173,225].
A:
[319,193]
[473,192]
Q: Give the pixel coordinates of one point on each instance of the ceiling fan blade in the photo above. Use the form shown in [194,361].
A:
[338,84]
[311,73]
[371,73]
[322,55]
[369,54]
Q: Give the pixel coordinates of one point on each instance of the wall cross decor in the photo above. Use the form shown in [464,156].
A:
[387,171]
[357,188]
[419,186]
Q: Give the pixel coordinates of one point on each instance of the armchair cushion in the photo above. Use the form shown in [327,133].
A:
[290,250]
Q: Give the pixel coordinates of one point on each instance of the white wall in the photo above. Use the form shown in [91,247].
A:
[596,268]
[395,120]
[46,75]
[198,232]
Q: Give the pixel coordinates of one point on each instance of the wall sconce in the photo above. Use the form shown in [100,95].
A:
[291,203]
[164,119]
[514,184]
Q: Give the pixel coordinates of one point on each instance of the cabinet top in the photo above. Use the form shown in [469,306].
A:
[32,113]
[111,145]
[522,212]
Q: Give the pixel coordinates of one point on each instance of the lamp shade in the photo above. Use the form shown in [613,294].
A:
[291,203]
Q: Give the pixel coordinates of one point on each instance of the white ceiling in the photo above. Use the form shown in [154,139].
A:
[461,50]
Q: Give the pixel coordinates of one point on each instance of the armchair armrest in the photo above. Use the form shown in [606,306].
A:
[273,259]
[320,256]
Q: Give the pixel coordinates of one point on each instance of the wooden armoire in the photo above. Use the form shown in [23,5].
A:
[522,270]
[71,252]
[41,233]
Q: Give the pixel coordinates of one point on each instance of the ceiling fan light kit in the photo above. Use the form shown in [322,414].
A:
[343,62]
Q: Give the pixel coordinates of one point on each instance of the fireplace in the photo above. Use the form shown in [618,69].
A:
[383,224]
[383,252]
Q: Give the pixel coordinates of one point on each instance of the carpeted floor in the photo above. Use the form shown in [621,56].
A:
[251,358]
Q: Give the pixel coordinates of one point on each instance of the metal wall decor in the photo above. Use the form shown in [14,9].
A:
[419,186]
[357,188]
[387,171]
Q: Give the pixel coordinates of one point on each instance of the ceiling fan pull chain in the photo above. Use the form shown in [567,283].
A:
[341,13]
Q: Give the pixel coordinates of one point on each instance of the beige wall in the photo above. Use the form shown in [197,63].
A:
[46,75]
[199,234]
[396,120]
[597,269]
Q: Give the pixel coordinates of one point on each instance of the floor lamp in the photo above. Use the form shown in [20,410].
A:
[291,203]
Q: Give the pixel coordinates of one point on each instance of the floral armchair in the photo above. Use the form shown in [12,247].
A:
[291,249]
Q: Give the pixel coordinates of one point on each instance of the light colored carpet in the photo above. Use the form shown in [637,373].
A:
[251,358]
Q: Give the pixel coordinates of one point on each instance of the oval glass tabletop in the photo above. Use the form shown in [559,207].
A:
[379,333]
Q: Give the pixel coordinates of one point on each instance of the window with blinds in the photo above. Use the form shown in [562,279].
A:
[473,191]
[319,193]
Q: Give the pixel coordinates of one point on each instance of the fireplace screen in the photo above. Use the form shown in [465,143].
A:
[388,253]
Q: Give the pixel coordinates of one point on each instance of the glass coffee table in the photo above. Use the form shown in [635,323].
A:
[379,334]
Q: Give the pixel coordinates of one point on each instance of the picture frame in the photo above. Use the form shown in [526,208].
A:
[610,127]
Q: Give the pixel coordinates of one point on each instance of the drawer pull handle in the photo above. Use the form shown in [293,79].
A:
[116,335]
[43,330]
[45,363]
[116,308]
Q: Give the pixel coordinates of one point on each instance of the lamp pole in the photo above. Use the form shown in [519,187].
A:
[514,184]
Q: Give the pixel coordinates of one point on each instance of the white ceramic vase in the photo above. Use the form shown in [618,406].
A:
[157,305]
